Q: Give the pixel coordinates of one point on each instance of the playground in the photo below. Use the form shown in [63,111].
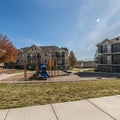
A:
[62,77]
[51,69]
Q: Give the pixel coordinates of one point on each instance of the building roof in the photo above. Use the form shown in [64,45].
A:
[115,40]
[44,48]
[49,48]
[112,41]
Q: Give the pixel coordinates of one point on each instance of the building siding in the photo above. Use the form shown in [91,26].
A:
[108,55]
[41,55]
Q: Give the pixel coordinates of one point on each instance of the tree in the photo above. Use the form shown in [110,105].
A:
[72,59]
[2,52]
[8,52]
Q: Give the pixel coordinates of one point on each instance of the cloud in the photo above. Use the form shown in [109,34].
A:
[104,27]
[109,25]
[88,32]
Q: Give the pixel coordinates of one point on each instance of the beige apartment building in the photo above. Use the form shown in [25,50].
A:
[42,55]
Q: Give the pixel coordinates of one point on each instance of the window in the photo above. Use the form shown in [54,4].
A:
[46,54]
[45,61]
[104,48]
[29,55]
[109,59]
[38,55]
[109,48]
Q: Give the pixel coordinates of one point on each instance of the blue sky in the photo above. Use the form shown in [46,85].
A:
[75,24]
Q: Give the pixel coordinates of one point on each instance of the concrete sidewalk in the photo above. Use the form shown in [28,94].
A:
[105,108]
[5,76]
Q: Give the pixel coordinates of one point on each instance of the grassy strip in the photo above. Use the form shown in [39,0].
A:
[19,95]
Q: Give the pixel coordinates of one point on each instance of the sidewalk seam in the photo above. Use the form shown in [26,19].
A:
[101,110]
[54,111]
[6,114]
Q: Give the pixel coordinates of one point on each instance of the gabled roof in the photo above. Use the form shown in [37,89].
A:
[44,48]
[116,40]
[111,41]
[51,48]
[23,50]
[106,41]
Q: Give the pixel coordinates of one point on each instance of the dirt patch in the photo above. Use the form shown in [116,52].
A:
[61,78]
[18,77]
[9,71]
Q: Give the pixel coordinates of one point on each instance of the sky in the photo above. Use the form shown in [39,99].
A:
[76,24]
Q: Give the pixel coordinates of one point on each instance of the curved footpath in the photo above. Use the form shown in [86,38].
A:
[5,76]
[105,108]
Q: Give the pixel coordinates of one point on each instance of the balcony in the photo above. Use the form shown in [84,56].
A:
[116,62]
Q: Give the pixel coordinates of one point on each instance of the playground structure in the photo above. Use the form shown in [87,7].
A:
[51,69]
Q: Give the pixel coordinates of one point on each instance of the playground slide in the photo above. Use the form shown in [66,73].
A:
[64,70]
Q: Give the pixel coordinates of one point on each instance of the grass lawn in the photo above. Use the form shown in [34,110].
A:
[19,95]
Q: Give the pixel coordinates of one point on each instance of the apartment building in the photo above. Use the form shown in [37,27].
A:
[108,55]
[42,55]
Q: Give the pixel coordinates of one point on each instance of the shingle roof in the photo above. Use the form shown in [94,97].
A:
[45,48]
[113,40]
[49,48]
[23,49]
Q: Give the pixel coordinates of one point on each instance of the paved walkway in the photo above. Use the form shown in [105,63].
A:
[105,108]
[5,76]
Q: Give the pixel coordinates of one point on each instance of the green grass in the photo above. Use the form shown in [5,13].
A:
[19,95]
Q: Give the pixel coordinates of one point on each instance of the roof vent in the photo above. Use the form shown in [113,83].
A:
[117,38]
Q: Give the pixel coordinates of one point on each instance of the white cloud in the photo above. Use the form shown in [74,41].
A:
[108,27]
[104,27]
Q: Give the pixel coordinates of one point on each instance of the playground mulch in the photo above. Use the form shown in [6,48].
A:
[31,78]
